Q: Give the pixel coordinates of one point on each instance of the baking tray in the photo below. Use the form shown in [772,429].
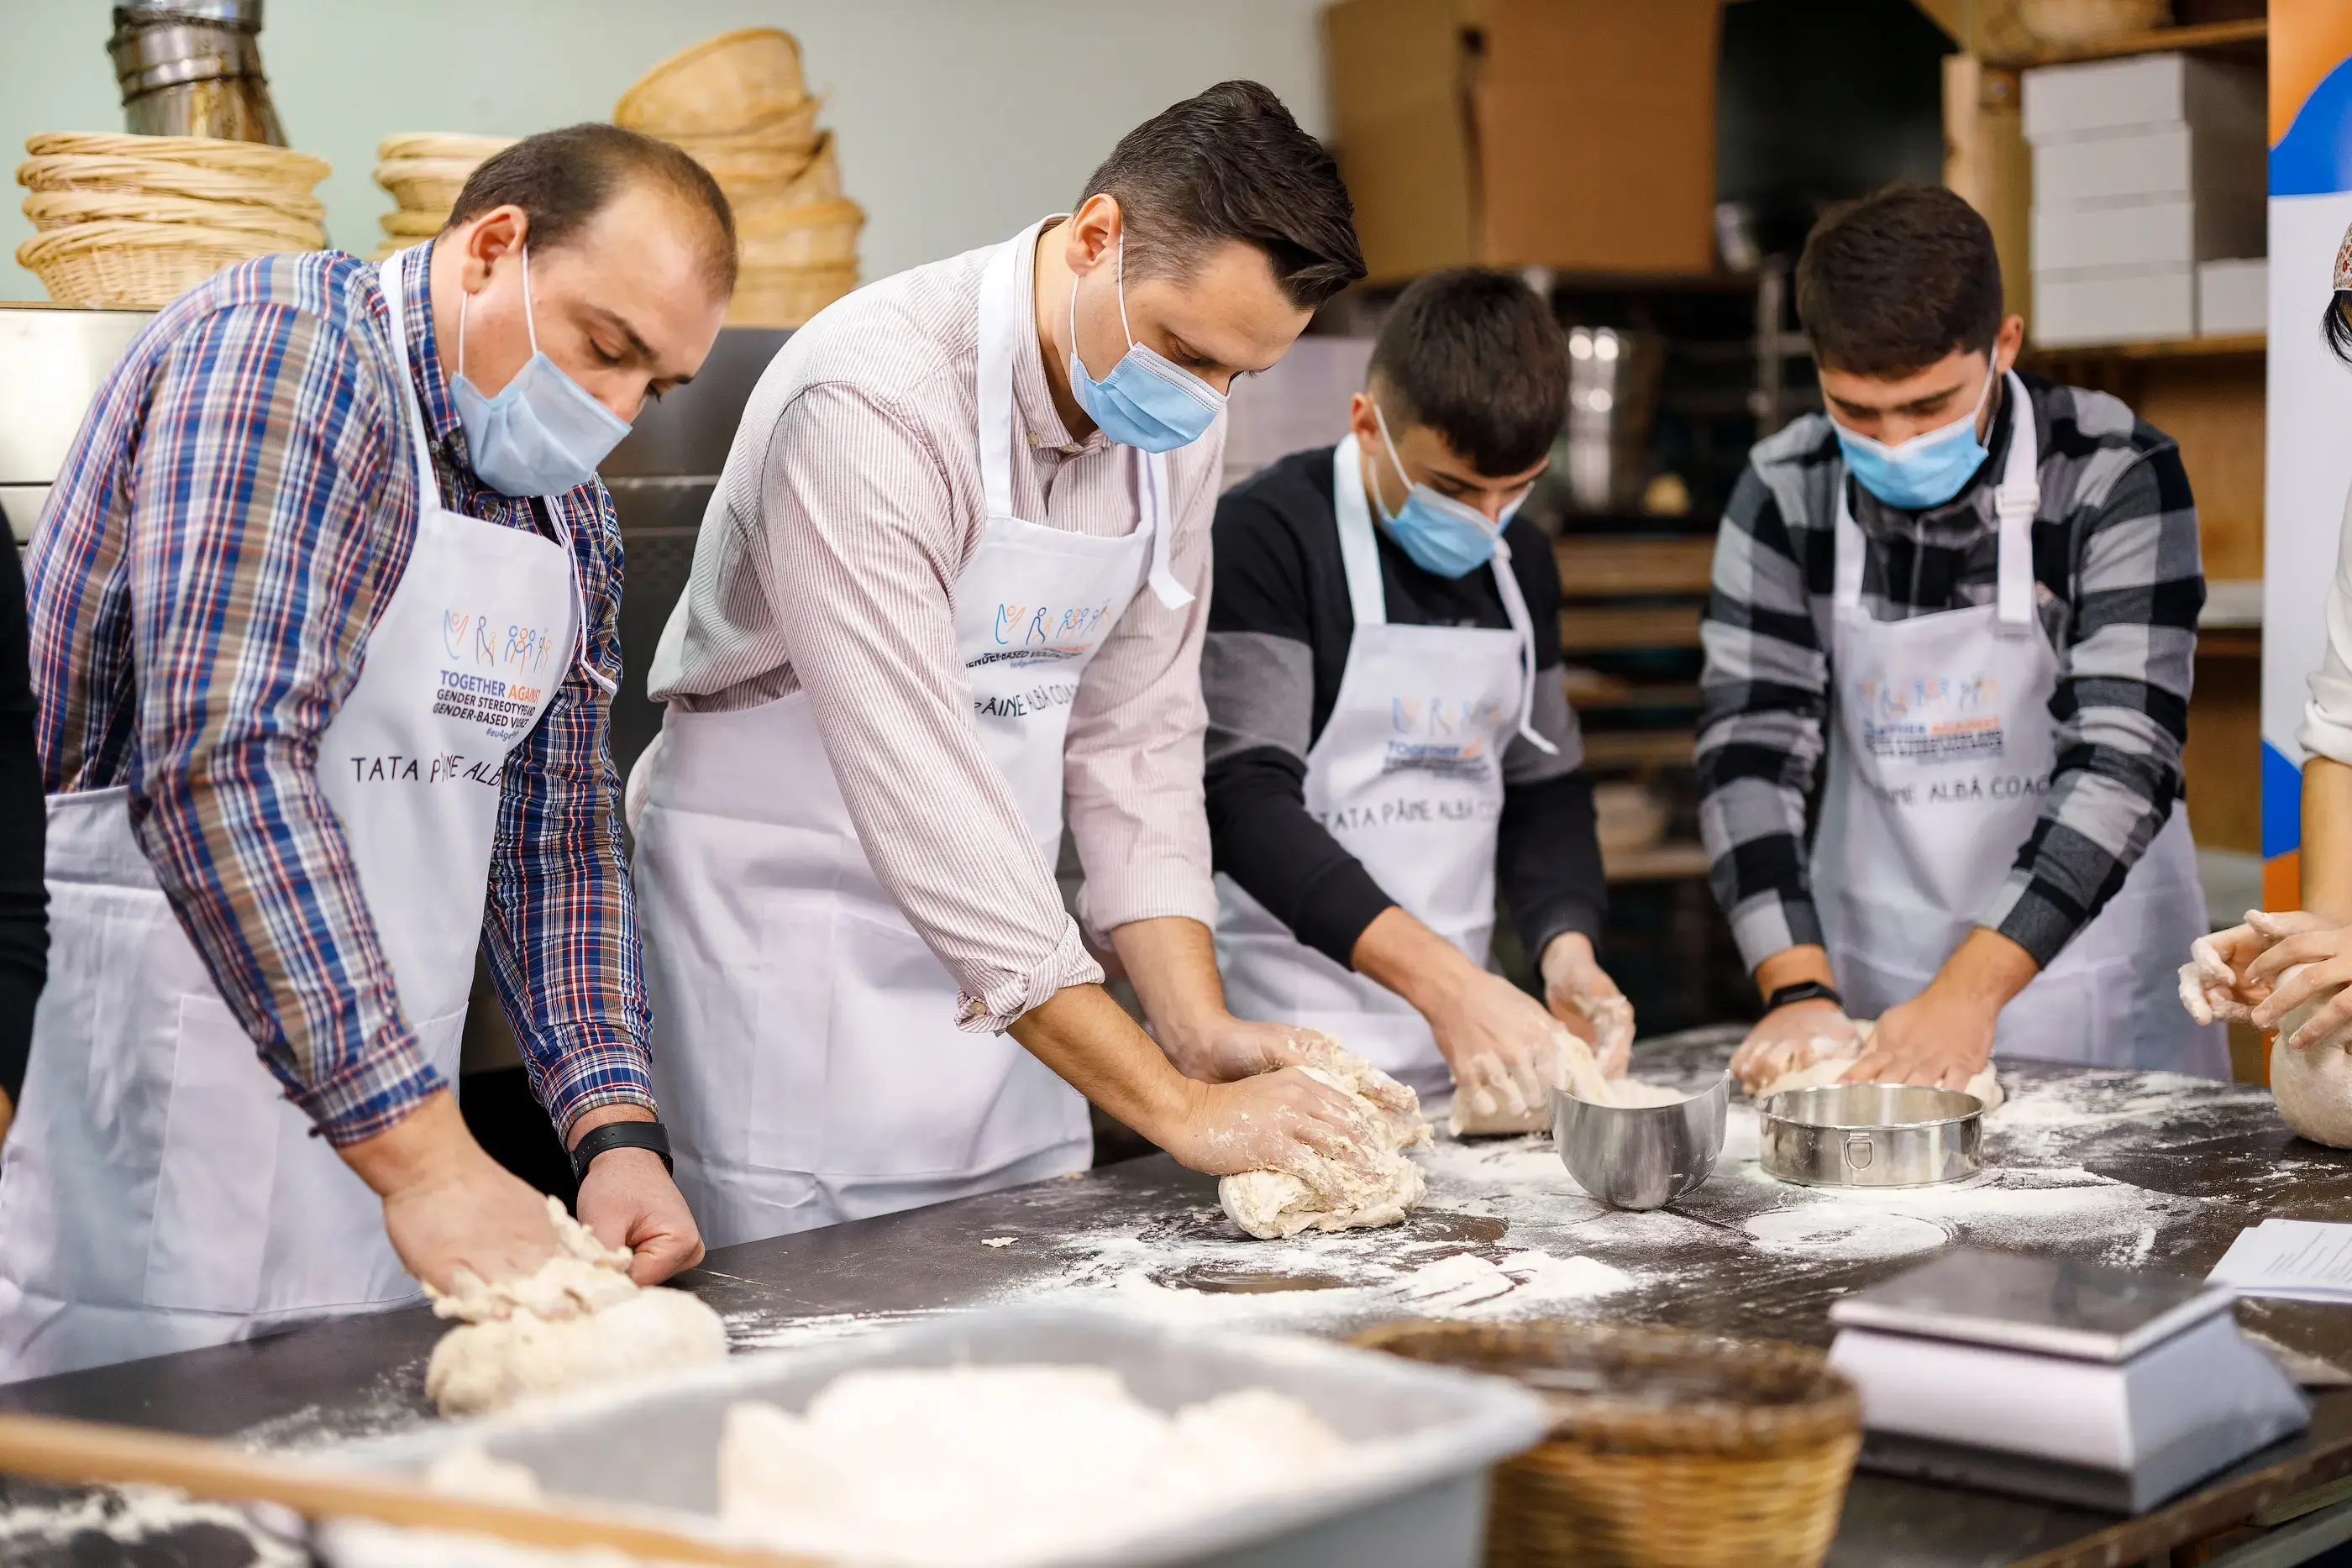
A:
[1417,1500]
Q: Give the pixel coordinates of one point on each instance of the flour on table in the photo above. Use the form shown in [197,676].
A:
[1525,1274]
[470,1471]
[997,1241]
[578,1319]
[138,1522]
[990,1465]
[1579,1075]
[1271,1204]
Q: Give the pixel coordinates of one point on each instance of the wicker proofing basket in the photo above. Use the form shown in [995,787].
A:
[276,166]
[408,226]
[721,84]
[825,235]
[787,296]
[454,144]
[52,210]
[159,177]
[763,208]
[2068,22]
[134,266]
[426,184]
[1667,1450]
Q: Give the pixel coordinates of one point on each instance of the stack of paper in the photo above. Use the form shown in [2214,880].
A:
[2295,1260]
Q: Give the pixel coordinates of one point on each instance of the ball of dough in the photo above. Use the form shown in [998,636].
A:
[483,1366]
[2313,1086]
[1275,1205]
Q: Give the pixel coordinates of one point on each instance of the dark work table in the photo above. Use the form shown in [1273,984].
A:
[2143,1169]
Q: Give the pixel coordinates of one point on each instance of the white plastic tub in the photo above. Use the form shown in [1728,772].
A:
[1418,1499]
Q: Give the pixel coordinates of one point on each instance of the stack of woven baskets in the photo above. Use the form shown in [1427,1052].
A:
[739,104]
[425,170]
[130,223]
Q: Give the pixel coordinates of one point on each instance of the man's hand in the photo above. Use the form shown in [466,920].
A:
[1222,1048]
[1281,1122]
[628,1200]
[1943,1037]
[1581,995]
[1501,1044]
[446,1205]
[1792,1038]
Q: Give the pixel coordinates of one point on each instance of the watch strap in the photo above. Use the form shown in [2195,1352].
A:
[1801,991]
[620,1135]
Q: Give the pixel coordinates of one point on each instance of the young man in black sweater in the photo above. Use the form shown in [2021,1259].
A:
[1389,735]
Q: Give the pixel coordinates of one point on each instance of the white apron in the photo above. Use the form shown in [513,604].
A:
[159,1191]
[808,1060]
[1938,765]
[1407,776]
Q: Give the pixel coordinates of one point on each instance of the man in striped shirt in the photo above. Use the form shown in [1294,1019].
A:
[1977,593]
[323,697]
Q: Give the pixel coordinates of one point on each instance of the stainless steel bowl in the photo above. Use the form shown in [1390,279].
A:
[1870,1135]
[1641,1156]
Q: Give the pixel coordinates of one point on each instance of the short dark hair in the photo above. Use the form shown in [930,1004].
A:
[1231,164]
[1475,356]
[562,178]
[1893,282]
[2337,325]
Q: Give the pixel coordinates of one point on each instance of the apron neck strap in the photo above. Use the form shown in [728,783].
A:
[1359,554]
[2014,503]
[1004,314]
[388,276]
[1514,606]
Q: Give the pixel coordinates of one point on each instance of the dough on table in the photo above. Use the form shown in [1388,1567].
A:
[1819,1071]
[579,1320]
[1580,1075]
[1274,1204]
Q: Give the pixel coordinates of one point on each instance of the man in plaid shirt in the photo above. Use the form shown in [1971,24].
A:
[1976,594]
[324,633]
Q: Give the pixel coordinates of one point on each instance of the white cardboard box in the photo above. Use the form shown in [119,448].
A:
[2114,304]
[2222,97]
[2147,163]
[2233,296]
[2170,231]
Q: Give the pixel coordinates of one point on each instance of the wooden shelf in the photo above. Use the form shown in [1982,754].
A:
[1659,862]
[2232,37]
[1585,628]
[1639,748]
[1608,693]
[1600,565]
[2224,346]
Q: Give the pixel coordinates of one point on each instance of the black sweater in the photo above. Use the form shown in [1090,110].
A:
[24,900]
[1280,625]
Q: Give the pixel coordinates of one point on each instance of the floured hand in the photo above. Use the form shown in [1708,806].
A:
[1581,994]
[1792,1038]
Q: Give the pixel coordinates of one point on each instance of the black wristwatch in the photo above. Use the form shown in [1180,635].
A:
[1802,991]
[620,1135]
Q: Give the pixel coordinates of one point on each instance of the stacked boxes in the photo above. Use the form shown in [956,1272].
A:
[2145,170]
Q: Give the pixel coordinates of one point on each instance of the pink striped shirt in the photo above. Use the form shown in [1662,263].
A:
[850,505]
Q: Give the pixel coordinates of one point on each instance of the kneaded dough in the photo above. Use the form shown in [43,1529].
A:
[578,1319]
[1580,1075]
[1824,1070]
[2313,1086]
[1275,1205]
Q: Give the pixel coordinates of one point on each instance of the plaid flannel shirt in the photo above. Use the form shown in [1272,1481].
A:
[236,512]
[2119,585]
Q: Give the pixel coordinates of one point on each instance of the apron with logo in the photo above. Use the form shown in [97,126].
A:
[1407,776]
[159,1191]
[1938,765]
[808,1059]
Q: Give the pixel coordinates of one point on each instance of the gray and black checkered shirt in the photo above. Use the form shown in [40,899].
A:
[2118,585]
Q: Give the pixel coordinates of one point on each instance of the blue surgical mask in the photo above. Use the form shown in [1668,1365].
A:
[1148,400]
[543,434]
[1925,471]
[1449,538]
